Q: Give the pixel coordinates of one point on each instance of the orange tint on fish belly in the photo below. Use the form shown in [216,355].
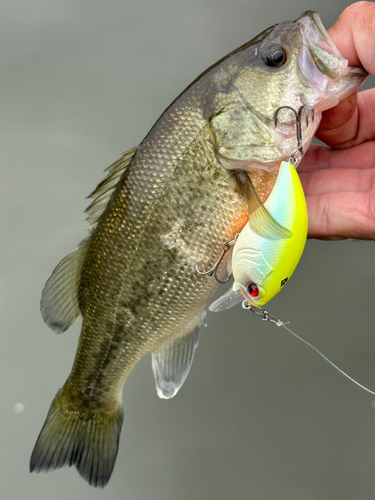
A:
[235,226]
[263,182]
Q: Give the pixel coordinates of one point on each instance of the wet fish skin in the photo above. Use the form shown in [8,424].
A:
[165,207]
[157,293]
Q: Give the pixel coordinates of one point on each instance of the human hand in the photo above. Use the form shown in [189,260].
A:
[339,183]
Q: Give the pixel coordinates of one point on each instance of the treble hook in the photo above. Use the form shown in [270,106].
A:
[213,271]
[298,116]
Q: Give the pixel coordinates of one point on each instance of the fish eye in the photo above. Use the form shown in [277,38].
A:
[253,290]
[274,56]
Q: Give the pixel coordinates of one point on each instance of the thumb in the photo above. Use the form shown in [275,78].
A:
[354,35]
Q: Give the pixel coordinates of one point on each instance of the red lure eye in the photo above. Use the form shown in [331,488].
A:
[253,290]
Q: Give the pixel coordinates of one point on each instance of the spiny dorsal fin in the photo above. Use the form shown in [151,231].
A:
[59,303]
[103,192]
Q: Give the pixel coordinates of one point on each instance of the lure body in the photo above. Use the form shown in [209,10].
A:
[266,264]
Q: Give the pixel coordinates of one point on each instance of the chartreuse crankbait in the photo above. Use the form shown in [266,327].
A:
[261,265]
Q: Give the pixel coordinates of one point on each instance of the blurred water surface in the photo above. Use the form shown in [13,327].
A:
[261,416]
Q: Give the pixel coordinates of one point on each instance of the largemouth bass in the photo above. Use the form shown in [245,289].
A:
[166,207]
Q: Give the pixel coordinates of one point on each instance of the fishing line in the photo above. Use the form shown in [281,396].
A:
[268,317]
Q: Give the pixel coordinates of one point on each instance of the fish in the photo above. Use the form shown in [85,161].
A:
[163,211]
[262,266]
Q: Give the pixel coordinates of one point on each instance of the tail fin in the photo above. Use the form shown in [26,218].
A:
[87,440]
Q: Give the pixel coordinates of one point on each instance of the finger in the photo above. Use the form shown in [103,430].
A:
[351,122]
[353,35]
[321,157]
[335,117]
[339,124]
[341,215]
[337,181]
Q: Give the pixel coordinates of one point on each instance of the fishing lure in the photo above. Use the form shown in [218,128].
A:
[262,265]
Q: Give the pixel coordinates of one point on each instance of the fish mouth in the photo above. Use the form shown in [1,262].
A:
[319,55]
[324,52]
[310,21]
[321,65]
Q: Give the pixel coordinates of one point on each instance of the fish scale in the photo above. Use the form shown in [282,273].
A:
[184,292]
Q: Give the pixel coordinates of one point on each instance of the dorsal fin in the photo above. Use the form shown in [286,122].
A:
[104,190]
[59,304]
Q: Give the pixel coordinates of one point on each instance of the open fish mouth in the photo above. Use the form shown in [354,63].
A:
[327,76]
[320,56]
[313,29]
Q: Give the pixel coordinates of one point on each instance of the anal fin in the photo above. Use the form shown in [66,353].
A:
[171,363]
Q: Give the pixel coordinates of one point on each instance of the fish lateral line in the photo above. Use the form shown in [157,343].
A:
[266,316]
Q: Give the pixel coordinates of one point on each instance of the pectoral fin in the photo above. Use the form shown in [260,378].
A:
[260,220]
[171,363]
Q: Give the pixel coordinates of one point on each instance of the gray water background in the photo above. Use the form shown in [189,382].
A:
[260,416]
